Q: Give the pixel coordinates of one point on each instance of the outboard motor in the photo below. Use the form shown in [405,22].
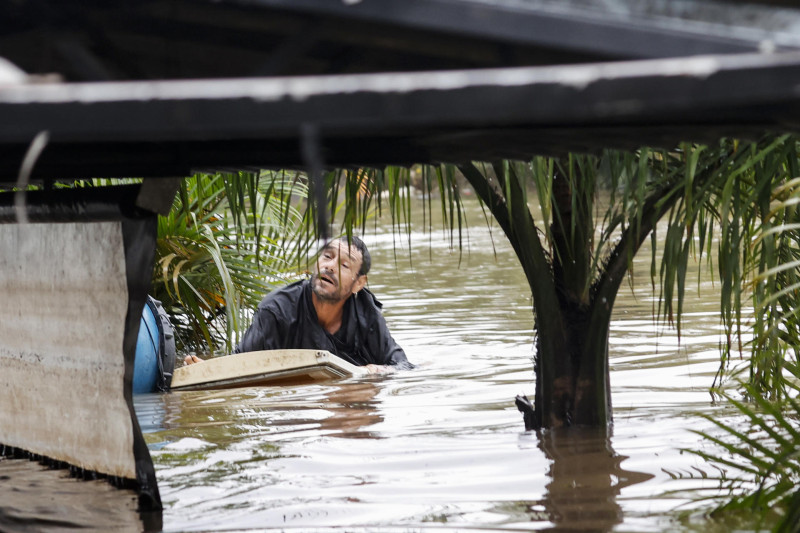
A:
[155,350]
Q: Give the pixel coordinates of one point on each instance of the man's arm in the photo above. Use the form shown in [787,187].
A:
[388,352]
[395,360]
[263,333]
[395,354]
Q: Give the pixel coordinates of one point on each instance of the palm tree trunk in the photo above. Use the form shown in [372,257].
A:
[572,313]
[581,369]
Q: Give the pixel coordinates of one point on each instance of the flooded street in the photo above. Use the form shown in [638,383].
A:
[440,447]
[443,446]
[193,149]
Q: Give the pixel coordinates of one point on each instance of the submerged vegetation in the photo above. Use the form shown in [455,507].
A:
[760,459]
[761,239]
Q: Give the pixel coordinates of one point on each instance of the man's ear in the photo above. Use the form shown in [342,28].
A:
[360,283]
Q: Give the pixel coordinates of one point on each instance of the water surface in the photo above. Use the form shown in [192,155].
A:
[443,446]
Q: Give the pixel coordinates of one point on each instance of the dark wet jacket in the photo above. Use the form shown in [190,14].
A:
[286,319]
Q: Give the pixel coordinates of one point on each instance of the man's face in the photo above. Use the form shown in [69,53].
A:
[336,274]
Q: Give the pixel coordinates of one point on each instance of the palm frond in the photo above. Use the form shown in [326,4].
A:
[221,248]
[767,454]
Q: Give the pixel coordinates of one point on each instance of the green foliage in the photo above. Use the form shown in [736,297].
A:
[751,208]
[722,203]
[731,204]
[229,238]
[226,242]
[760,464]
[357,196]
[759,234]
[775,266]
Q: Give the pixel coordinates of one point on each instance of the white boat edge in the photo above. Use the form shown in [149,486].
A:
[260,367]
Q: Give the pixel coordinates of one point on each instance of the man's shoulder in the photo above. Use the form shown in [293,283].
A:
[368,304]
[286,295]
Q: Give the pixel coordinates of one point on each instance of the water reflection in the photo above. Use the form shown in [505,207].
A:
[340,409]
[586,478]
[36,499]
[353,407]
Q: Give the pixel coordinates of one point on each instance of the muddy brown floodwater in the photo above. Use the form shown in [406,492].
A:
[442,447]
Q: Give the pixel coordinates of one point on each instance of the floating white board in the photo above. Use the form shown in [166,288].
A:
[263,368]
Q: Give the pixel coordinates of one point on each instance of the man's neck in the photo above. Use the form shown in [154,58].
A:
[329,314]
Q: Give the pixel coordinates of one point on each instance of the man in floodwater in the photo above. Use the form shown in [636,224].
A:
[332,311]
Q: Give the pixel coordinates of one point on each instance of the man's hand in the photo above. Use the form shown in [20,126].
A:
[192,359]
[379,369]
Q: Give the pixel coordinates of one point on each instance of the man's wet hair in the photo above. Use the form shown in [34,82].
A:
[358,244]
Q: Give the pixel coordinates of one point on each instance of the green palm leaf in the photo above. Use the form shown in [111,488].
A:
[221,248]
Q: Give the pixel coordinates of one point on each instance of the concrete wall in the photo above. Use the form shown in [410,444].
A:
[63,304]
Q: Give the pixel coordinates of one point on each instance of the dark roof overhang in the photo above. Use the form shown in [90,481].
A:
[156,88]
[173,127]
